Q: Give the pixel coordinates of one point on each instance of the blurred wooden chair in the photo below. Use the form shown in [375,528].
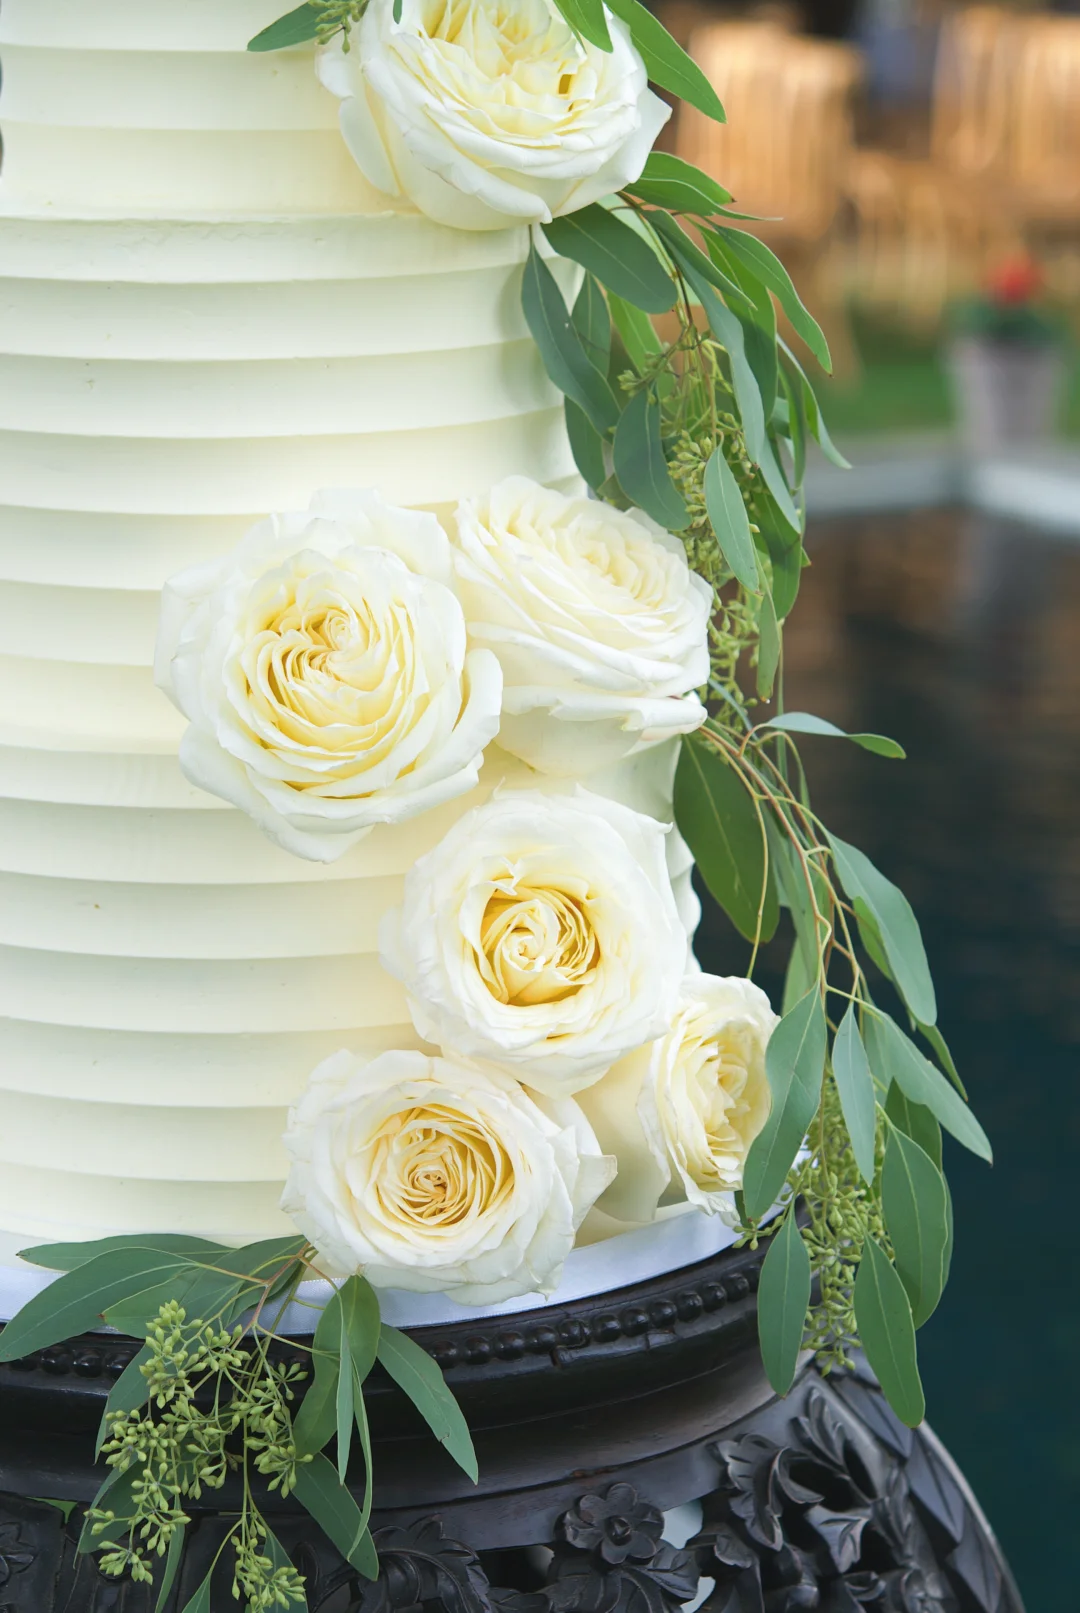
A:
[783,151]
[785,148]
[1043,153]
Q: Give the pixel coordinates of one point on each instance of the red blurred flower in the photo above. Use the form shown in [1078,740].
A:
[1014,280]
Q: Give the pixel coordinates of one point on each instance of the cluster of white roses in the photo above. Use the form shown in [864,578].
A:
[347,668]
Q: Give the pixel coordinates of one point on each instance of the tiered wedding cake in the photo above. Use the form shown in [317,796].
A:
[207,314]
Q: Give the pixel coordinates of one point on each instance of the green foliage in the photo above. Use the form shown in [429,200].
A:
[205,1398]
[783,1301]
[724,827]
[708,425]
[795,1066]
[887,1332]
[315,19]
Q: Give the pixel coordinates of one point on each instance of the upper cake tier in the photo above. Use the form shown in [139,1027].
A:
[156,107]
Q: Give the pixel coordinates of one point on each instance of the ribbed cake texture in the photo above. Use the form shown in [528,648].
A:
[206,314]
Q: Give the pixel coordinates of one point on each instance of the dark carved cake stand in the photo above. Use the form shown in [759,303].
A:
[591,1420]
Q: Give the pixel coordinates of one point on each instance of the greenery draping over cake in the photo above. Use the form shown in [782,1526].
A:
[834,1114]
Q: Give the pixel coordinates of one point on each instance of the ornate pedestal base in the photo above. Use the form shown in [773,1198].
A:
[591,1422]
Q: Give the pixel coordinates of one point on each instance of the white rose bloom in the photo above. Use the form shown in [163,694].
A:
[680,1116]
[323,668]
[596,618]
[485,114]
[541,935]
[429,1174]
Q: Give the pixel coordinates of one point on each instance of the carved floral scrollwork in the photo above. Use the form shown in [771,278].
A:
[820,1503]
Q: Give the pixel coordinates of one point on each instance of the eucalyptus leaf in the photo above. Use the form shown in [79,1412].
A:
[417,1375]
[117,1494]
[717,819]
[360,1320]
[295,28]
[812,409]
[870,936]
[769,645]
[345,1402]
[337,1514]
[128,1393]
[586,445]
[893,1057]
[766,267]
[670,182]
[173,1558]
[795,1065]
[364,1431]
[787,565]
[791,879]
[915,1121]
[616,254]
[945,1058]
[565,359]
[593,322]
[641,465]
[666,63]
[76,1302]
[316,1420]
[896,924]
[636,330]
[795,425]
[587,19]
[67,1256]
[259,1260]
[780,492]
[694,262]
[783,1301]
[803,722]
[665,165]
[855,1084]
[207,1296]
[200,1602]
[758,320]
[916,1210]
[727,512]
[798,979]
[887,1333]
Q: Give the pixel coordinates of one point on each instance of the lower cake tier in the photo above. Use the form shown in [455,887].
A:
[168,977]
[169,981]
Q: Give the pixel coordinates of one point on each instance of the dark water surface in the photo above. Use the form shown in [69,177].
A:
[959,635]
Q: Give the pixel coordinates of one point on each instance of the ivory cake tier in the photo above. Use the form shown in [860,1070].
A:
[169,977]
[205,315]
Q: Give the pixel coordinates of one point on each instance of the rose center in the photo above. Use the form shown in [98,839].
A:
[439,1169]
[537,946]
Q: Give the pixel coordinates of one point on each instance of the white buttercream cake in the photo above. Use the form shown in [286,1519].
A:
[207,314]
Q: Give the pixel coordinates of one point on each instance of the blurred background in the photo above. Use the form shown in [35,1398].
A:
[919,168]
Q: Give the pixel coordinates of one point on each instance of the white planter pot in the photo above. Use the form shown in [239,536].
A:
[1005,392]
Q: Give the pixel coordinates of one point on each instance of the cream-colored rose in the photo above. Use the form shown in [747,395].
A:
[323,668]
[541,935]
[599,624]
[485,114]
[429,1174]
[680,1115]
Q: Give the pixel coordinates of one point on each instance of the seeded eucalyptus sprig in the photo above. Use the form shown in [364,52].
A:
[316,20]
[706,428]
[205,1400]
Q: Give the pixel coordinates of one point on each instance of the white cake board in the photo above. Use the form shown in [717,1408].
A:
[677,1240]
